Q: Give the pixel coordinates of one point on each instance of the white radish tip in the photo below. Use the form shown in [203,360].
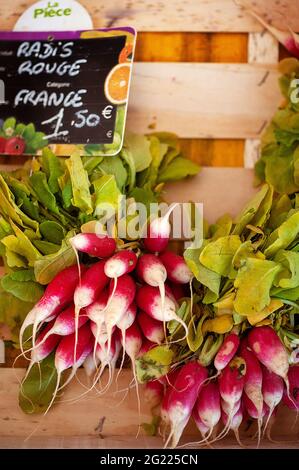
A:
[160,228]
[80,241]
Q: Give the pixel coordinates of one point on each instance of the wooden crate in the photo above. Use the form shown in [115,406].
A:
[206,70]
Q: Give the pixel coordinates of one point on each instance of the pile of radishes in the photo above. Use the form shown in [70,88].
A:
[252,377]
[88,313]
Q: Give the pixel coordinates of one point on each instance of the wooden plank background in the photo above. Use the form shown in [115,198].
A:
[186,32]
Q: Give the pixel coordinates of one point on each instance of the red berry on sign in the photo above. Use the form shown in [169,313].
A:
[2,144]
[15,146]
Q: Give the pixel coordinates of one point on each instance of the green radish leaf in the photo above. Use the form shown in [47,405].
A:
[13,260]
[154,364]
[46,248]
[53,168]
[37,389]
[46,268]
[205,276]
[218,255]
[43,193]
[126,155]
[113,166]
[222,227]
[80,183]
[178,169]
[21,285]
[106,192]
[195,336]
[66,189]
[151,429]
[52,231]
[253,283]
[9,208]
[21,245]
[91,163]
[288,277]
[139,146]
[283,236]
[250,210]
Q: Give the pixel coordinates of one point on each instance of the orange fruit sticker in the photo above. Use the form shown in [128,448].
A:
[117,83]
[126,54]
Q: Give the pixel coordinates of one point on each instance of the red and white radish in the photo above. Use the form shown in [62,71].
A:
[58,294]
[157,234]
[64,355]
[149,300]
[231,384]
[100,246]
[208,406]
[176,267]
[292,401]
[119,302]
[253,384]
[132,345]
[121,263]
[226,352]
[270,351]
[182,398]
[152,329]
[272,391]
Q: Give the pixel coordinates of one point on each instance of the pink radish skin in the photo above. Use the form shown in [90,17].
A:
[253,385]
[182,398]
[95,311]
[157,235]
[121,263]
[168,381]
[252,409]
[151,270]
[231,381]
[128,318]
[253,379]
[208,406]
[64,355]
[152,329]
[119,301]
[235,423]
[227,408]
[148,299]
[177,290]
[272,392]
[132,345]
[93,281]
[94,245]
[99,332]
[176,267]
[293,378]
[269,350]
[272,388]
[227,351]
[153,393]
[58,294]
[203,429]
[108,355]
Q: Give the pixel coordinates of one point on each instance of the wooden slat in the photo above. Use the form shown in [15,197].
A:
[203,100]
[214,152]
[191,47]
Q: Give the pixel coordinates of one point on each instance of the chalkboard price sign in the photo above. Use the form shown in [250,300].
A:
[65,89]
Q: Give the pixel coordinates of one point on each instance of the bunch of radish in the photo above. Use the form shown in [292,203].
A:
[253,377]
[121,301]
